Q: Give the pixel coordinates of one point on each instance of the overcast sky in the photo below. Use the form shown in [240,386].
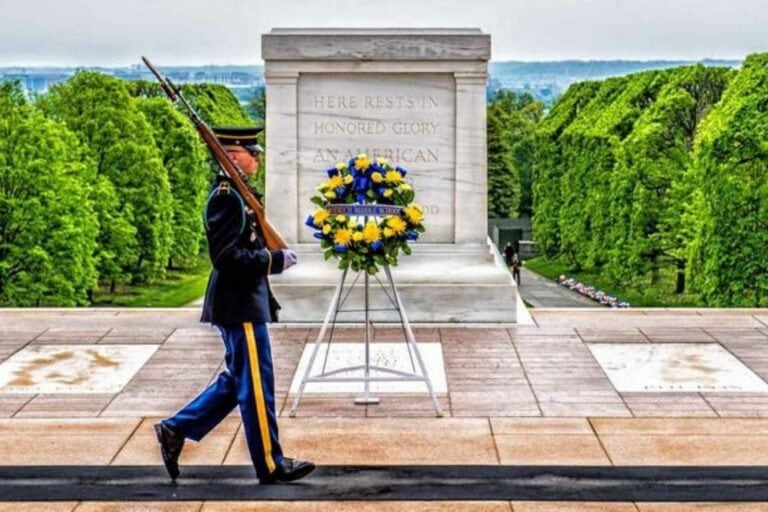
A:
[111,33]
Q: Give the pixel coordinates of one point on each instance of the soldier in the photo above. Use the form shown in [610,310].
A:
[240,303]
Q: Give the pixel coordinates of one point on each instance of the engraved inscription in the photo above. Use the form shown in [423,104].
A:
[407,119]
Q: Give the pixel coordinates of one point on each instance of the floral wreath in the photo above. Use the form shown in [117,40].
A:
[366,214]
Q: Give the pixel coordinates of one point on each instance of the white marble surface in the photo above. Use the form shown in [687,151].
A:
[674,367]
[392,355]
[407,118]
[300,90]
[417,96]
[73,368]
[399,44]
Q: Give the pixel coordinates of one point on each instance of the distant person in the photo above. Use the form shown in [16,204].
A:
[509,251]
[516,268]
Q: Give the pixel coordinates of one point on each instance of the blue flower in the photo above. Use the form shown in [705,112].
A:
[361,183]
[375,246]
[401,171]
[412,235]
[332,171]
[318,235]
[361,198]
[310,222]
[339,248]
[340,191]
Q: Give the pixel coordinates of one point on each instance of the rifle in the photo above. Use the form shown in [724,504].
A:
[272,238]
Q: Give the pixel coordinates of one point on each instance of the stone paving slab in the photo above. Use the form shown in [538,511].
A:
[516,371]
[60,441]
[517,394]
[64,406]
[417,441]
[345,441]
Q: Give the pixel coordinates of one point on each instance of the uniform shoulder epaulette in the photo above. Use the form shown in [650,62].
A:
[224,188]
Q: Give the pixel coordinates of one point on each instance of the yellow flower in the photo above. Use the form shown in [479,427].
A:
[388,233]
[393,177]
[397,224]
[382,161]
[342,237]
[348,179]
[414,213]
[341,166]
[335,182]
[326,229]
[362,161]
[387,193]
[320,216]
[351,224]
[404,187]
[371,232]
[376,177]
[357,236]
[341,218]
[330,194]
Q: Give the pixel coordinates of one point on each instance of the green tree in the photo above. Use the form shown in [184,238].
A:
[646,213]
[107,120]
[547,165]
[728,253]
[216,105]
[516,118]
[47,226]
[591,146]
[257,107]
[117,250]
[503,181]
[185,160]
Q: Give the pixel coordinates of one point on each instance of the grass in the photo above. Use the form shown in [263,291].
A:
[640,294]
[179,288]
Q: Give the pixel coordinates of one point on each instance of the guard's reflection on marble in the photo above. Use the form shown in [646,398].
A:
[674,367]
[73,368]
[393,355]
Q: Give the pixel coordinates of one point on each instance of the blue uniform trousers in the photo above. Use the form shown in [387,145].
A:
[248,382]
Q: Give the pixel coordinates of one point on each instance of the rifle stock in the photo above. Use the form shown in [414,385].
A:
[272,238]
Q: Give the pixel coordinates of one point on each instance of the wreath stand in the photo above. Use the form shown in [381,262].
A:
[339,375]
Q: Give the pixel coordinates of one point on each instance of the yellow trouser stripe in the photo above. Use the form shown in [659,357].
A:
[258,392]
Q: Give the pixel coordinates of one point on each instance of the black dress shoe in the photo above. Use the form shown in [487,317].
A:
[171,444]
[288,471]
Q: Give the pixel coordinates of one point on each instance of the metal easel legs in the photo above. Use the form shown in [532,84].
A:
[390,374]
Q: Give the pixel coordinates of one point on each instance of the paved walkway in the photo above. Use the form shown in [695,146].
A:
[542,292]
[516,396]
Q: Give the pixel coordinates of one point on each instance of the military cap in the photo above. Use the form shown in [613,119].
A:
[243,137]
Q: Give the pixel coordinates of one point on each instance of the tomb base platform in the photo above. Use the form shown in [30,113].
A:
[438,283]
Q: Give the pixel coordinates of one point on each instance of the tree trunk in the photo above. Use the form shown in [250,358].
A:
[680,285]
[112,286]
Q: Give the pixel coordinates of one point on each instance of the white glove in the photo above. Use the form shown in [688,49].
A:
[289,259]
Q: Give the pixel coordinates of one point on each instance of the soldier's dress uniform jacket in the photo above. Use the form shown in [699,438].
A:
[239,302]
[238,290]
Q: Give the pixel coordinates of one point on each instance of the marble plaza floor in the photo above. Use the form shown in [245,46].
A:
[579,387]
